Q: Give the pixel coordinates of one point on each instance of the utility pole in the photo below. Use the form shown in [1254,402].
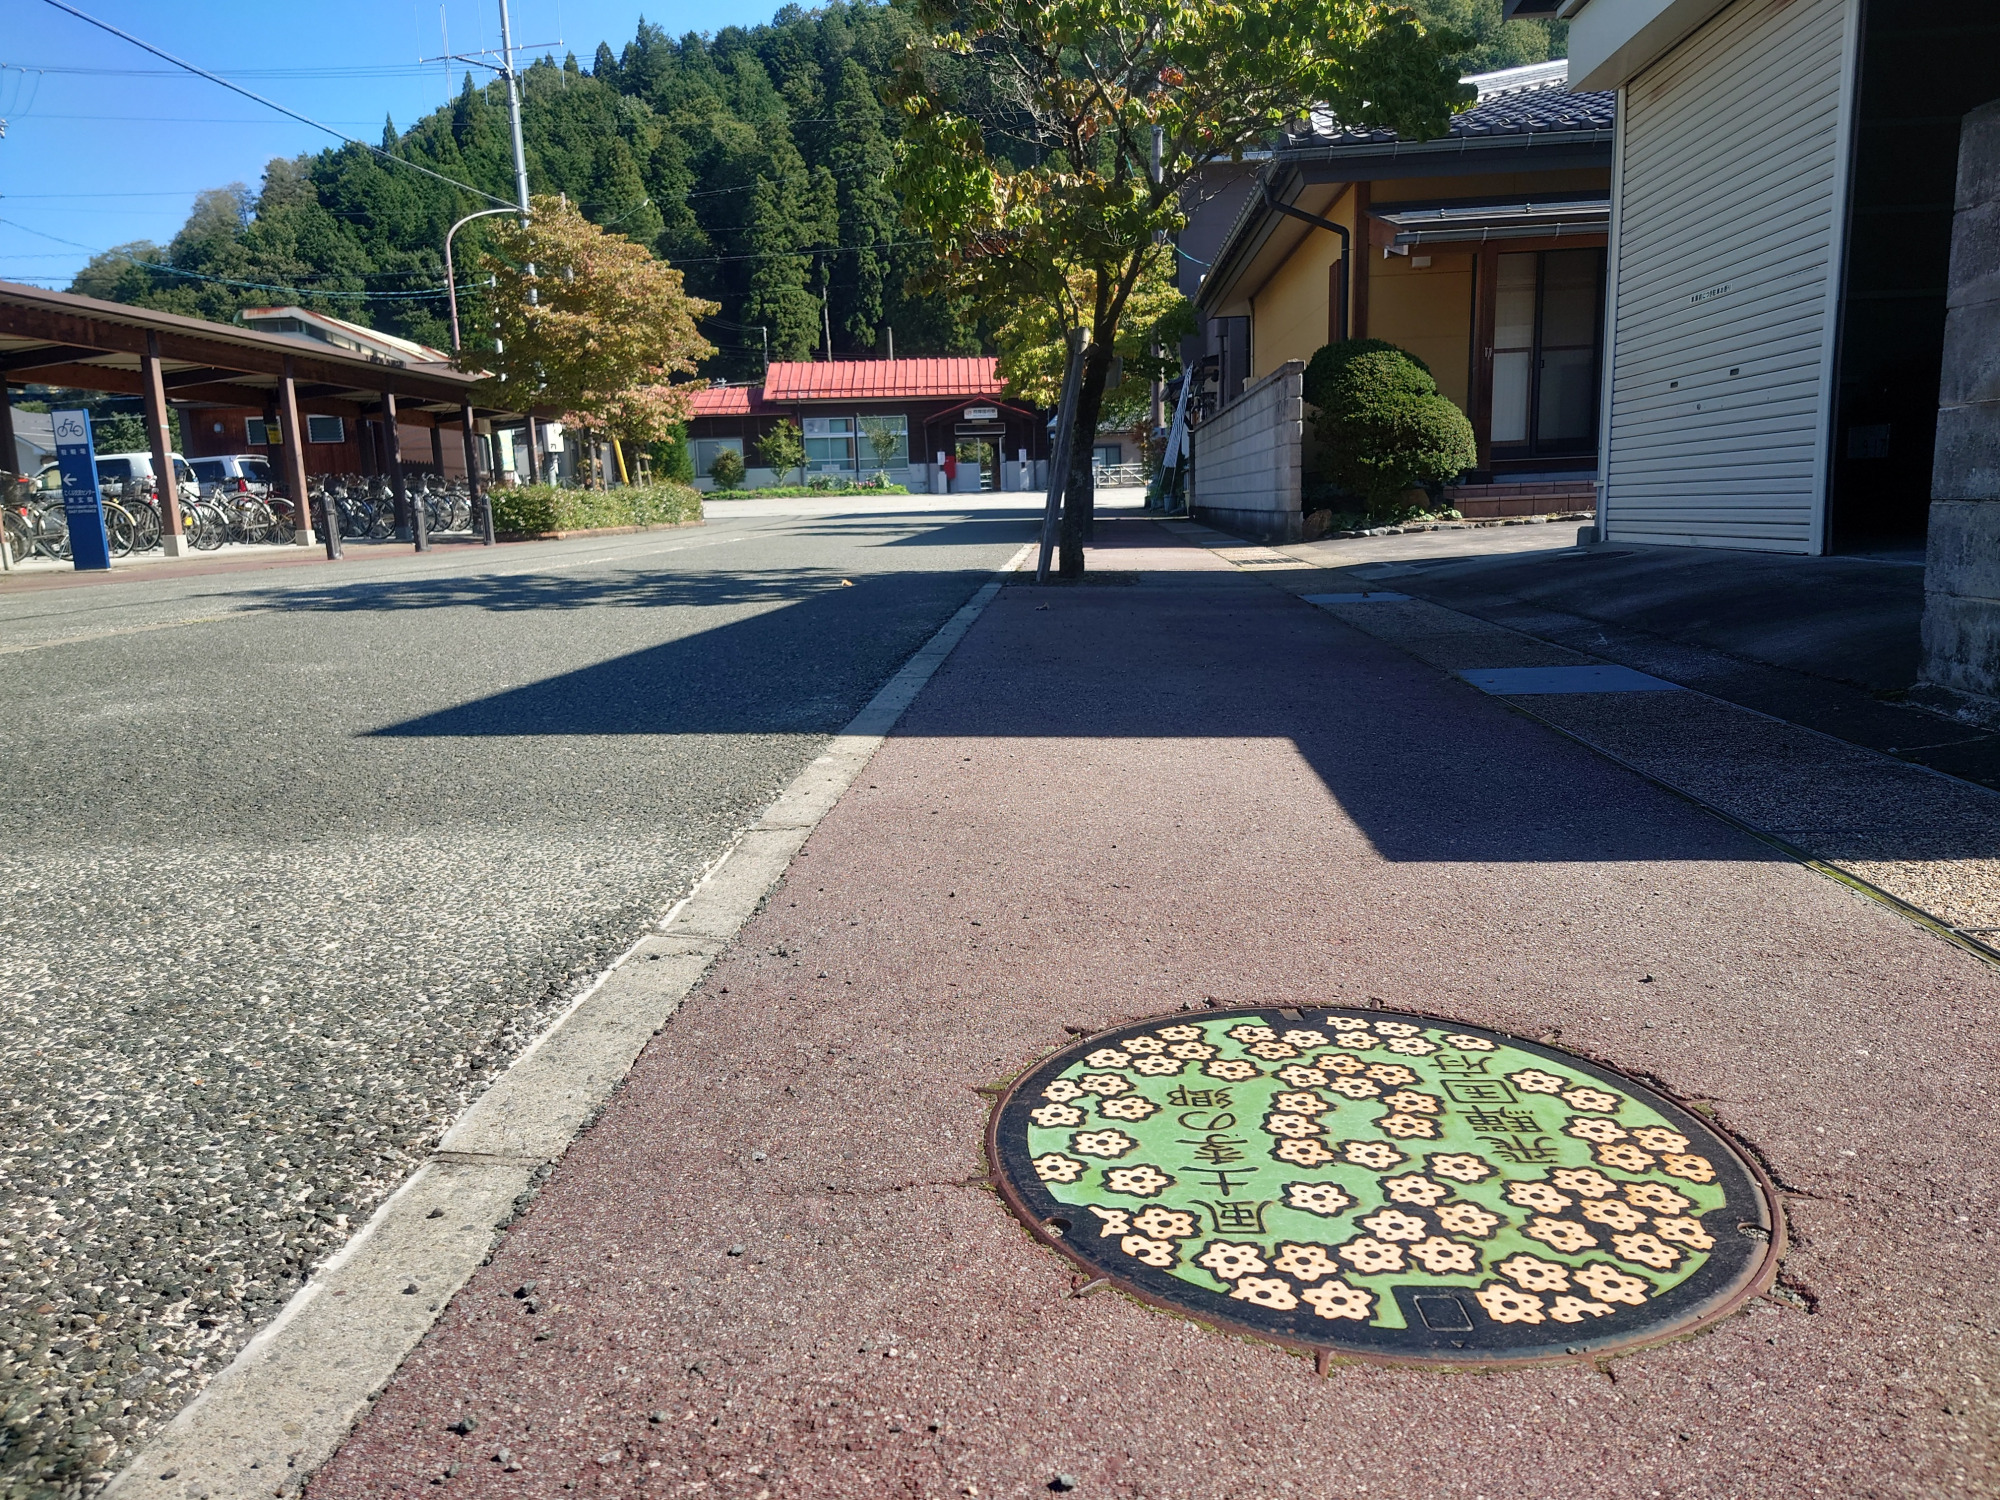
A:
[514,113]
[508,72]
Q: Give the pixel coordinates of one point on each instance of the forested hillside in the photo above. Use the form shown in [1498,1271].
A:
[753,159]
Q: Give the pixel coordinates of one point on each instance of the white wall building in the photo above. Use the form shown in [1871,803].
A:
[1781,227]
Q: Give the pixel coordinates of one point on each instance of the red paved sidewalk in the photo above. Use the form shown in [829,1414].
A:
[772,1268]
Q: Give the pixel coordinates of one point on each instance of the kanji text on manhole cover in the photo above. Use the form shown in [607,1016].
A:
[1384,1185]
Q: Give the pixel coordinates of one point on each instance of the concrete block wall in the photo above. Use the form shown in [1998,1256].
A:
[1962,568]
[1248,459]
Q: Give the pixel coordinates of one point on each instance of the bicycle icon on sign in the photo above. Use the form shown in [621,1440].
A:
[70,429]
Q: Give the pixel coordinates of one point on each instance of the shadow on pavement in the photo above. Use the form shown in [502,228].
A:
[1429,770]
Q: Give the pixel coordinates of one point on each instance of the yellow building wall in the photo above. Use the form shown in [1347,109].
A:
[1288,314]
[1428,311]
[1424,309]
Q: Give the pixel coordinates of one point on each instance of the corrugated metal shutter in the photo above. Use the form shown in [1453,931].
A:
[1729,230]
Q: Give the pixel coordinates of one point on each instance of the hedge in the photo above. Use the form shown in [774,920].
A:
[536,509]
[808,492]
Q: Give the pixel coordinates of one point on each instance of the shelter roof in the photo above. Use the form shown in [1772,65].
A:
[58,339]
[327,329]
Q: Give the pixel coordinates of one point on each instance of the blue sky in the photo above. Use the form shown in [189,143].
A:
[115,148]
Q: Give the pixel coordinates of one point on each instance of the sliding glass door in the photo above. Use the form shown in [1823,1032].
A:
[1546,352]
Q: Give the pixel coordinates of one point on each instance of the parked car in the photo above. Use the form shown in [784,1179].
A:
[119,469]
[246,473]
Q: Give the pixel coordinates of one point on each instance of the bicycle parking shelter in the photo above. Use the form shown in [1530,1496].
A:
[84,343]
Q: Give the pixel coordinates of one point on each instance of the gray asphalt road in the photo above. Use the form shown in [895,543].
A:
[296,860]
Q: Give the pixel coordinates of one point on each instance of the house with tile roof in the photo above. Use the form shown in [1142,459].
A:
[946,421]
[1482,253]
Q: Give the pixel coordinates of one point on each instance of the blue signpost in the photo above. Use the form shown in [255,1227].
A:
[83,507]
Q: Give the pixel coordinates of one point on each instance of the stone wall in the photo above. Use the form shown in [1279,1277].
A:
[1962,570]
[1247,459]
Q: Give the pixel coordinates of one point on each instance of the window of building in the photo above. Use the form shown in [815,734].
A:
[829,445]
[885,433]
[254,433]
[705,450]
[326,429]
[1107,455]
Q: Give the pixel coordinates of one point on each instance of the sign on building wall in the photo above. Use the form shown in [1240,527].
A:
[83,507]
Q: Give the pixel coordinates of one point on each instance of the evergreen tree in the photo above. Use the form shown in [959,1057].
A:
[861,162]
[763,150]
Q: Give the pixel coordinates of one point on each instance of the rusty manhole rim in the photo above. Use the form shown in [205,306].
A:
[1755,1279]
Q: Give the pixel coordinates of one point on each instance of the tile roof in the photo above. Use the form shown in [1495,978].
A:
[1534,100]
[882,379]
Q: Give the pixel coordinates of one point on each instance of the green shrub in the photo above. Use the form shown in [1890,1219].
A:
[536,509]
[1331,359]
[673,456]
[1385,430]
[726,469]
[783,450]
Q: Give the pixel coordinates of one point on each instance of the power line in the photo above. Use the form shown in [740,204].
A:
[366,70]
[237,88]
[255,286]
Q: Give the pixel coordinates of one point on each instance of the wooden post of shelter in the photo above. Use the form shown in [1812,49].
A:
[391,456]
[482,498]
[9,454]
[160,437]
[291,431]
[534,452]
[409,518]
[437,449]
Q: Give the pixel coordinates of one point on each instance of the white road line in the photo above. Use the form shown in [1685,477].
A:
[282,1407]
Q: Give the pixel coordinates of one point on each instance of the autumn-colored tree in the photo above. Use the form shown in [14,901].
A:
[1030,132]
[598,328]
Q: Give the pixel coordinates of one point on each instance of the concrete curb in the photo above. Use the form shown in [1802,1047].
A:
[281,1408]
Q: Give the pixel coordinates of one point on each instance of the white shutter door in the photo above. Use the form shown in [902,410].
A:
[1728,242]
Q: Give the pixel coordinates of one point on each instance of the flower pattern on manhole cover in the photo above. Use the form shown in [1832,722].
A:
[1382,1184]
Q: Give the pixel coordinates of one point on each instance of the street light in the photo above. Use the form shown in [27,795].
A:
[450,280]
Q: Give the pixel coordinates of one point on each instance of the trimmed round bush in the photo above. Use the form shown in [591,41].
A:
[1332,359]
[726,469]
[1385,429]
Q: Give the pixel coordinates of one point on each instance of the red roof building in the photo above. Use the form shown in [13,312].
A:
[907,419]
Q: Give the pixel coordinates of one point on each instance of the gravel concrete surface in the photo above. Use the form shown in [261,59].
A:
[773,1268]
[299,858]
[1926,838]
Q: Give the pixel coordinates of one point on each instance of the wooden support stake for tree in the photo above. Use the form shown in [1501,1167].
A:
[1059,458]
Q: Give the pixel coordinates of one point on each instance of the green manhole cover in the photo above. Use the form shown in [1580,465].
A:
[1383,1185]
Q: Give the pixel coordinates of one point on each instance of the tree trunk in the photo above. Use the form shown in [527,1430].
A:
[1079,495]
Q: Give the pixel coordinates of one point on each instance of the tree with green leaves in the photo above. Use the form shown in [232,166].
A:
[1085,84]
[861,162]
[598,328]
[885,440]
[783,450]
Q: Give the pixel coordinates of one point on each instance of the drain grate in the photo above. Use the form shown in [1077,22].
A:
[1381,1185]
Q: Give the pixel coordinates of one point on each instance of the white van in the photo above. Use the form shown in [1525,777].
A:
[246,473]
[120,469]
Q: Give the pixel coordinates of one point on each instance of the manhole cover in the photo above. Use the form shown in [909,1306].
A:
[1383,1185]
